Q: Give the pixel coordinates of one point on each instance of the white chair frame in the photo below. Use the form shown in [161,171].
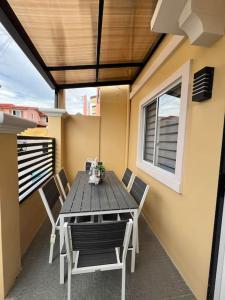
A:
[139,212]
[139,209]
[54,223]
[128,187]
[61,185]
[120,264]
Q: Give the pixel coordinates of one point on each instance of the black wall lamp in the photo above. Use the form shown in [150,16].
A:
[203,84]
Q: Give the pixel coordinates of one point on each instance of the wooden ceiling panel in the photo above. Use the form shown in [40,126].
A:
[126,34]
[65,34]
[63,31]
[117,74]
[78,76]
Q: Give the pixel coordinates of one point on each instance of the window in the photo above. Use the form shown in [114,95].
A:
[17,113]
[162,129]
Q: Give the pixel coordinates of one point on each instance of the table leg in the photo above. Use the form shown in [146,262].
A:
[61,241]
[134,240]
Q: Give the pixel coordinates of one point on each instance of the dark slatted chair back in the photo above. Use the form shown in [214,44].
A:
[137,190]
[51,192]
[63,178]
[100,236]
[87,166]
[126,177]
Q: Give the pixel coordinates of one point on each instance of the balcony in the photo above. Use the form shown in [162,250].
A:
[159,67]
[155,275]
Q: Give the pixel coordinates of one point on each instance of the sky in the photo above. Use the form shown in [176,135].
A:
[21,83]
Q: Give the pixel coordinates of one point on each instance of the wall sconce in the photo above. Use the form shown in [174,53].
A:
[203,84]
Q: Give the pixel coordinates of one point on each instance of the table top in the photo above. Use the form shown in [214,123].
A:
[109,195]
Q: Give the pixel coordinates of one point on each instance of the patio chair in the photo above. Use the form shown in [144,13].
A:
[96,247]
[138,191]
[63,183]
[87,166]
[128,178]
[50,195]
[65,188]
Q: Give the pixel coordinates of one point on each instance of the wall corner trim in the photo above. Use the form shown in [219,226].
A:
[13,125]
[163,56]
[54,112]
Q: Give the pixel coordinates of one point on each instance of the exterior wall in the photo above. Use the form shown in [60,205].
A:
[184,222]
[38,131]
[81,140]
[103,137]
[31,114]
[9,214]
[114,127]
[28,113]
[55,129]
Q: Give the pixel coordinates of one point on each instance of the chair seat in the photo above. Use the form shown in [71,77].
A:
[96,258]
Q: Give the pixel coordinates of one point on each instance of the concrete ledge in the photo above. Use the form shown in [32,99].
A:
[54,112]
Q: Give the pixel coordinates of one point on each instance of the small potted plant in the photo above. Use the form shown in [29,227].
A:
[101,169]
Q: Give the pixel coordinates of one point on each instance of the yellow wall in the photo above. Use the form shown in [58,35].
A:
[114,109]
[104,137]
[184,222]
[81,140]
[32,216]
[38,131]
[9,214]
[55,129]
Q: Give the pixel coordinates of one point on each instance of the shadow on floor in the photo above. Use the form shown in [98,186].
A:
[155,277]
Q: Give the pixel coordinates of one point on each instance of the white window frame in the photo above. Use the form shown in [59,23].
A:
[172,180]
[17,111]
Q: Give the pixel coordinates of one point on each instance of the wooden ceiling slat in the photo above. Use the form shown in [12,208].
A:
[126,30]
[65,33]
[117,74]
[75,76]
[67,23]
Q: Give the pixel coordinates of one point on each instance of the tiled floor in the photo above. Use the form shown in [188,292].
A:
[155,277]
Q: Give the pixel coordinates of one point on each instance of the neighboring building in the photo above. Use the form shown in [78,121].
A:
[94,106]
[85,105]
[91,106]
[26,112]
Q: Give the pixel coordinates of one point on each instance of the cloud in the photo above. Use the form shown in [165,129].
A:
[74,99]
[20,82]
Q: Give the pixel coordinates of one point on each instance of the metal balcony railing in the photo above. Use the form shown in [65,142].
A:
[36,163]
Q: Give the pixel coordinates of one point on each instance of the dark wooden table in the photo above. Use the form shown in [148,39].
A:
[108,197]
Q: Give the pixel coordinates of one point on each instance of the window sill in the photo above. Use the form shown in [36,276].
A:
[161,175]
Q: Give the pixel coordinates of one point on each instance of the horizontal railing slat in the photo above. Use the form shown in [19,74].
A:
[33,144]
[36,175]
[33,170]
[30,186]
[22,161]
[26,137]
[36,162]
[21,169]
[34,151]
